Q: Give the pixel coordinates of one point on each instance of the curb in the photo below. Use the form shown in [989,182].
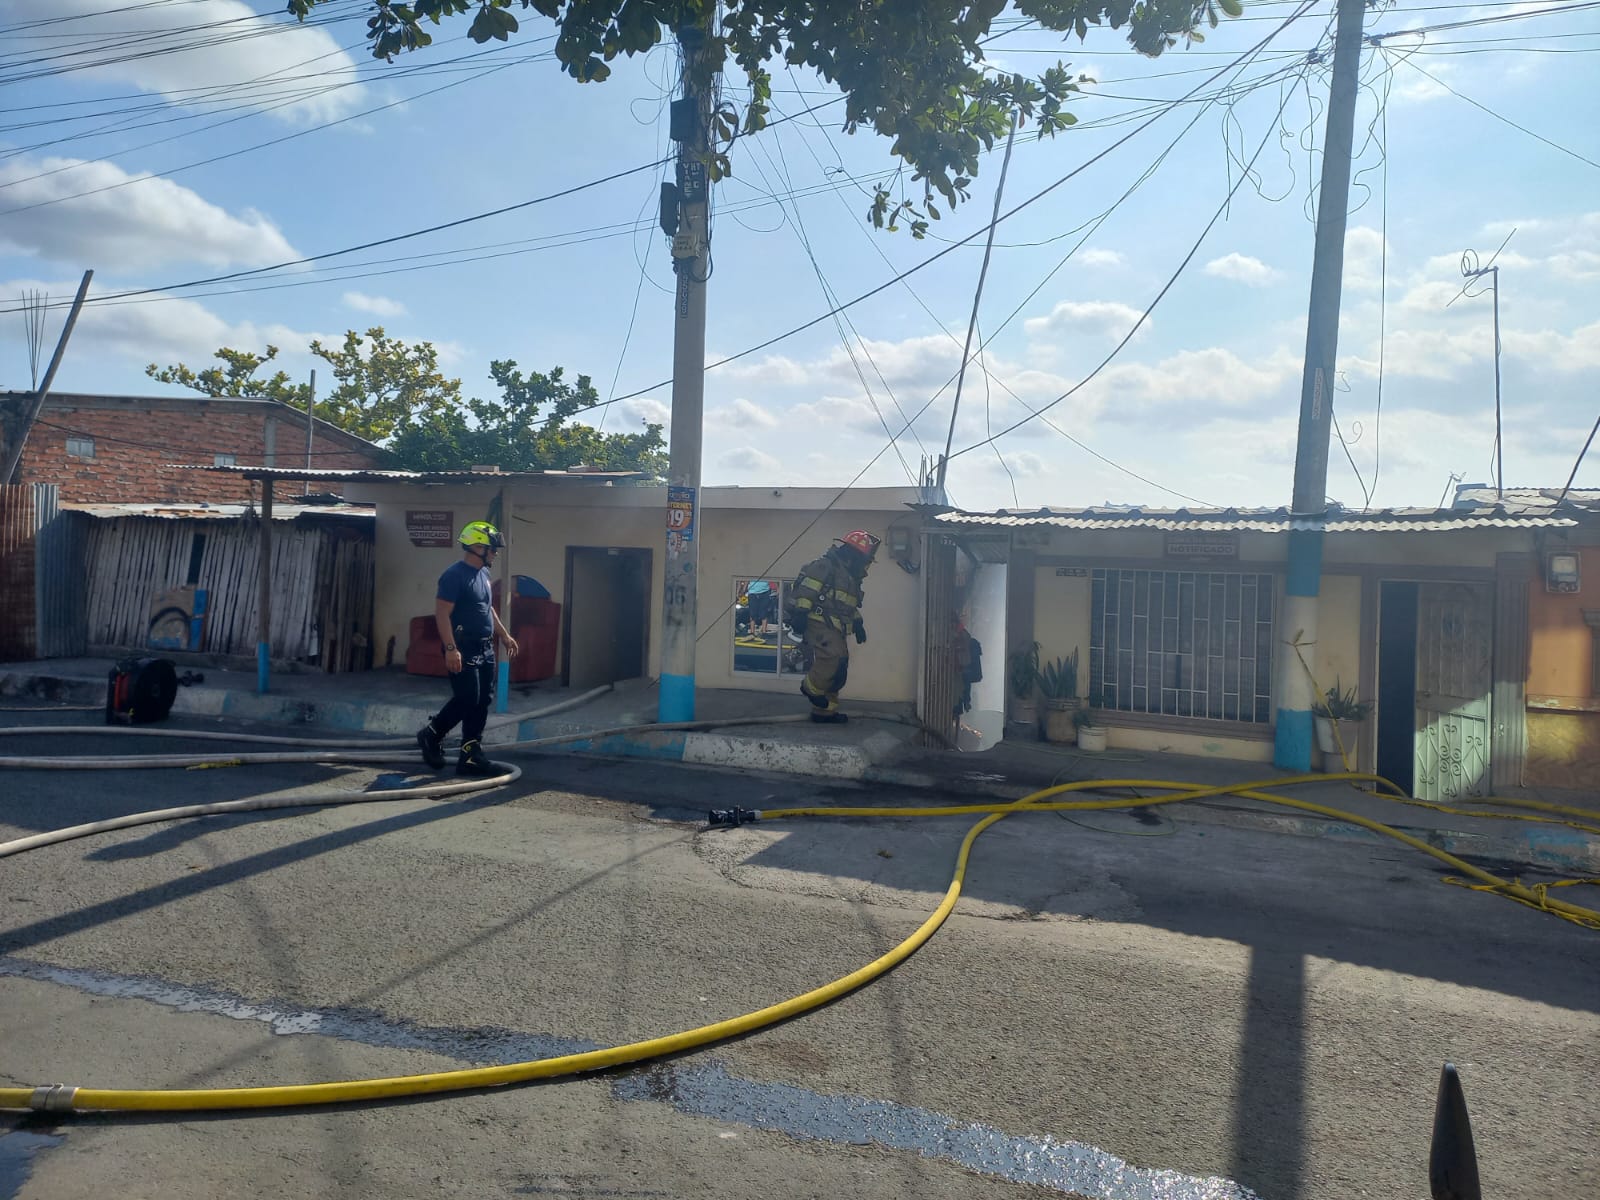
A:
[1548,847]
[759,753]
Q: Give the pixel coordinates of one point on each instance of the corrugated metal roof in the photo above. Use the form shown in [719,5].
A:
[225,512]
[1263,520]
[1528,499]
[359,475]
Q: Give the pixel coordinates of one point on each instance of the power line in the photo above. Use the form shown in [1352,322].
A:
[216,158]
[1145,315]
[388,241]
[1587,443]
[1506,120]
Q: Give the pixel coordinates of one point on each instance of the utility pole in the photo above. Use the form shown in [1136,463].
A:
[1293,741]
[1493,272]
[20,438]
[684,216]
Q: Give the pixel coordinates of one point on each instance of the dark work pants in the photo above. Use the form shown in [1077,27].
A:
[471,695]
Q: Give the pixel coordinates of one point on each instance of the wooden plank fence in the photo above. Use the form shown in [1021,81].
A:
[322,585]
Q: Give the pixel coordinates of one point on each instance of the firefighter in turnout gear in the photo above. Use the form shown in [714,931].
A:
[825,607]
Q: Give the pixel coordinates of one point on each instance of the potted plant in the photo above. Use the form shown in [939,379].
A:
[1338,705]
[1058,684]
[1022,677]
[1091,734]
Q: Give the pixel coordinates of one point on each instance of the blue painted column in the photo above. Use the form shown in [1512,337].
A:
[264,590]
[1293,740]
[501,519]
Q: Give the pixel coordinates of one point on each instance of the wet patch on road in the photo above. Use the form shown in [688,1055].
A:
[17,1149]
[701,1089]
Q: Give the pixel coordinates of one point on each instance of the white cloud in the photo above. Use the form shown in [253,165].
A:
[1098,318]
[642,411]
[1100,258]
[1363,258]
[378,306]
[271,50]
[1213,377]
[154,222]
[748,458]
[172,330]
[744,414]
[1241,268]
[1026,464]
[1578,351]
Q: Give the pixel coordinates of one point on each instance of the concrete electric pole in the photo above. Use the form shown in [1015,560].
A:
[684,215]
[19,436]
[1298,621]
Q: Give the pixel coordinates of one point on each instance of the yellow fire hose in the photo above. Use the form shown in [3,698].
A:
[65,1098]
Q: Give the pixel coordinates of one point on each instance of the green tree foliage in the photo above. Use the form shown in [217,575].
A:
[382,384]
[392,392]
[530,428]
[912,70]
[235,376]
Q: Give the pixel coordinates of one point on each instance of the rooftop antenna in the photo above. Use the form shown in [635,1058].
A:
[34,302]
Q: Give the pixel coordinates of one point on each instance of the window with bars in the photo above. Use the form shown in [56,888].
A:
[1182,643]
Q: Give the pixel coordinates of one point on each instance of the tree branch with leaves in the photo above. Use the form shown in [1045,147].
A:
[911,70]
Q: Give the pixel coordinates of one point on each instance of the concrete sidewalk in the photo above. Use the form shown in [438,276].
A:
[885,751]
[393,703]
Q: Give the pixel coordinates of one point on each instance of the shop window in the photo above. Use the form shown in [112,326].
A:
[1182,643]
[761,644]
[80,447]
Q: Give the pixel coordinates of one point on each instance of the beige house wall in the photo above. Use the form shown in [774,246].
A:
[1062,604]
[743,533]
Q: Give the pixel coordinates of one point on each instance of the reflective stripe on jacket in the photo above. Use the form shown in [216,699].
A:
[825,591]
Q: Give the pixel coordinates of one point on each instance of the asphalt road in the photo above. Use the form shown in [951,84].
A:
[1120,1008]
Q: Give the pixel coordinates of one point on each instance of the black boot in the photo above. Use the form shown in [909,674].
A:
[432,750]
[830,718]
[473,762]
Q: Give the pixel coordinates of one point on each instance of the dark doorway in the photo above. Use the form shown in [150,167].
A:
[1397,683]
[606,636]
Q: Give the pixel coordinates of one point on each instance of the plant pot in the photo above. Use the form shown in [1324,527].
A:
[1332,764]
[1092,738]
[1025,712]
[1325,742]
[1058,725]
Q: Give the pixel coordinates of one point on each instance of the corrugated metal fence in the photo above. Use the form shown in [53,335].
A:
[941,676]
[41,574]
[322,585]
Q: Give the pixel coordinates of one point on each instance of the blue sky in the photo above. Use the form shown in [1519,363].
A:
[106,128]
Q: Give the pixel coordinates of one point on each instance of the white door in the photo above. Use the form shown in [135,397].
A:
[1454,680]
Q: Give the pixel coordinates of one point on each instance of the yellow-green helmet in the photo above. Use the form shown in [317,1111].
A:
[481,533]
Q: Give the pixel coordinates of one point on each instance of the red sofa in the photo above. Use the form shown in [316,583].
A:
[535,623]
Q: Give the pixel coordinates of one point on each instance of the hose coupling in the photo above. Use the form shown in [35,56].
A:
[53,1097]
[730,818]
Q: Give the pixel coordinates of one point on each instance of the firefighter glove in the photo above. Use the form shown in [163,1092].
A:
[861,632]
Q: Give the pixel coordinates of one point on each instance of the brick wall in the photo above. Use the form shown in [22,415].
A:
[136,444]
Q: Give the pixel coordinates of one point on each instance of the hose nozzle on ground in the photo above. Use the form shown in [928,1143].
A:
[729,818]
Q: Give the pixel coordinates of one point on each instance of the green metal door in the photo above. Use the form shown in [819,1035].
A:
[1454,682]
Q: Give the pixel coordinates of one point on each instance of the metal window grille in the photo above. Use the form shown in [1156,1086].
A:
[80,447]
[1182,643]
[222,460]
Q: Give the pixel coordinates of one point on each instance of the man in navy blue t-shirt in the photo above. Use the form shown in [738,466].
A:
[469,627]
